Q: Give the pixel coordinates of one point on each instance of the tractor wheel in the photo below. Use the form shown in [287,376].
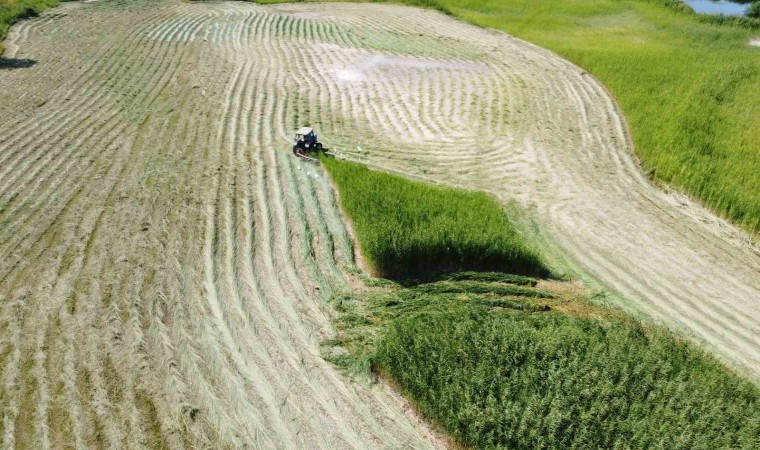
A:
[319,147]
[295,150]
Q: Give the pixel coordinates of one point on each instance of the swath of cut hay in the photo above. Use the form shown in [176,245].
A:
[188,379]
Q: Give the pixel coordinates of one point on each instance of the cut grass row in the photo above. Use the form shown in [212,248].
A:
[406,227]
[496,361]
[11,11]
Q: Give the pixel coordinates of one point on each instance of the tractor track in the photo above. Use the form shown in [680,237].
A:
[165,262]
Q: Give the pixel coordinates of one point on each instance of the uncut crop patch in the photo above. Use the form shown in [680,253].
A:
[496,378]
[405,227]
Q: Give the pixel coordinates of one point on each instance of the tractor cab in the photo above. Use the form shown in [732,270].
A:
[305,141]
[305,136]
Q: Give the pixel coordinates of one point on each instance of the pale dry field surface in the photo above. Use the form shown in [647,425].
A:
[165,261]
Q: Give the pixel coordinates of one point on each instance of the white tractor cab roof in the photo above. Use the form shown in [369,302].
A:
[305,131]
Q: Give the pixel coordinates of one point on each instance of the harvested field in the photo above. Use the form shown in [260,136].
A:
[165,262]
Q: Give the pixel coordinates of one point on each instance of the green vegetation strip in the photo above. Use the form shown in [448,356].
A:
[406,227]
[11,11]
[496,371]
[498,379]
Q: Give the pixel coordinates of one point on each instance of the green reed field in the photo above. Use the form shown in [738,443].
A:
[407,227]
[497,363]
[520,379]
[11,11]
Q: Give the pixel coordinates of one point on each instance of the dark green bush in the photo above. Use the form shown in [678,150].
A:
[754,10]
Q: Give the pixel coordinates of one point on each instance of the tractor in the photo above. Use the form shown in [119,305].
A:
[306,142]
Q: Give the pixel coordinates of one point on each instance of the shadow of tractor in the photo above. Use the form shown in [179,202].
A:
[13,63]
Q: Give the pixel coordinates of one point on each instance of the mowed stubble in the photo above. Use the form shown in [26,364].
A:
[165,261]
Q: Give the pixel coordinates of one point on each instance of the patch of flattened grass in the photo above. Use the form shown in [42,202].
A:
[479,287]
[362,318]
[495,277]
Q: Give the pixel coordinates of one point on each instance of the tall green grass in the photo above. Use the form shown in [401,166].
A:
[406,227]
[500,366]
[11,11]
[518,380]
